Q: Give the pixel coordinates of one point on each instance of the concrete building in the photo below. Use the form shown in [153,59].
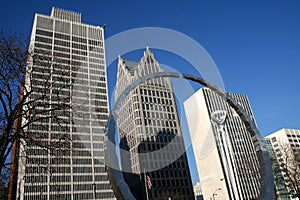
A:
[284,149]
[148,124]
[68,57]
[225,155]
[198,191]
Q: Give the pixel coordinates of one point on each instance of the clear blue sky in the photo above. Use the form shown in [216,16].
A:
[254,43]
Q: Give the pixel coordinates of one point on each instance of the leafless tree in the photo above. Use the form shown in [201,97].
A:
[23,105]
[289,161]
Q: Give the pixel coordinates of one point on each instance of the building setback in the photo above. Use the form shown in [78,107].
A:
[284,149]
[225,156]
[67,57]
[148,123]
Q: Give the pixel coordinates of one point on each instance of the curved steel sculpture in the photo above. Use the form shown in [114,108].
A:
[116,178]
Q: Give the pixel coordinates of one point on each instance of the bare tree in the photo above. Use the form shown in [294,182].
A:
[28,98]
[289,161]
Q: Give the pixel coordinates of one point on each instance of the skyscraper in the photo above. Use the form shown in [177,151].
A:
[67,65]
[225,156]
[284,148]
[148,124]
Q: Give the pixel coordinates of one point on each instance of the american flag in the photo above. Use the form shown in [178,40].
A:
[148,180]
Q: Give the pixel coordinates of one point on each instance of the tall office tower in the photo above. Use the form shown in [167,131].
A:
[284,148]
[225,156]
[68,65]
[148,123]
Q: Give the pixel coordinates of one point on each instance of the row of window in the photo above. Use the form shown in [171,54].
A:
[41,32]
[156,115]
[154,100]
[95,69]
[40,46]
[67,187]
[157,107]
[155,93]
[63,46]
[183,192]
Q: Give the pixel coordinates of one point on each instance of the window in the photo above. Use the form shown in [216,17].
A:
[43,40]
[62,36]
[44,33]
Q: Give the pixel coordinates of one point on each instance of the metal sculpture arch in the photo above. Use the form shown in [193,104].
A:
[116,178]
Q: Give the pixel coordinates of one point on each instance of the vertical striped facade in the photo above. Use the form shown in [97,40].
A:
[224,150]
[68,58]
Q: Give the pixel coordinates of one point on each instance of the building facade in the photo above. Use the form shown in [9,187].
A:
[149,130]
[284,149]
[225,156]
[198,191]
[65,159]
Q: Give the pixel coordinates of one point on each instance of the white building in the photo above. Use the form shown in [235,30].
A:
[68,56]
[284,146]
[198,191]
[225,155]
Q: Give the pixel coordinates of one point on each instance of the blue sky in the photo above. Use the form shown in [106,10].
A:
[255,44]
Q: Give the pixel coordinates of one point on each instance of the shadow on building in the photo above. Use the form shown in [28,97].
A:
[169,182]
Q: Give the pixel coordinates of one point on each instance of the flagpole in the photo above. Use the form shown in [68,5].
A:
[146,184]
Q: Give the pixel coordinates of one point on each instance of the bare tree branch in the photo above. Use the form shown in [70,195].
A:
[290,166]
[25,98]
